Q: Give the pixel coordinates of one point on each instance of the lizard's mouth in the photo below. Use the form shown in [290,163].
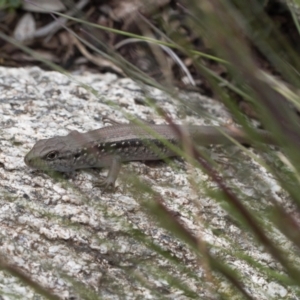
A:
[28,160]
[35,163]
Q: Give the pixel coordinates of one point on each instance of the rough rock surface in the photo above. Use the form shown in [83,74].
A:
[78,242]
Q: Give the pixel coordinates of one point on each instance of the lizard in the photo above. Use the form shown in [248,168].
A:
[110,146]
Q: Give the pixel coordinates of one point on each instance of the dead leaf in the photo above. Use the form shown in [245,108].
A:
[43,6]
[25,28]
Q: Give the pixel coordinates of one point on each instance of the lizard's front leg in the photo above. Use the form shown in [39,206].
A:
[109,182]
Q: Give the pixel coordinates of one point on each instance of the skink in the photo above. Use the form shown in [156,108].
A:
[110,146]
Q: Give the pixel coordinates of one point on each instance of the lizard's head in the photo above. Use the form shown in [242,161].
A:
[50,154]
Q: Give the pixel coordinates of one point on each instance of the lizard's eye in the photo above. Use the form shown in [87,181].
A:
[51,155]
